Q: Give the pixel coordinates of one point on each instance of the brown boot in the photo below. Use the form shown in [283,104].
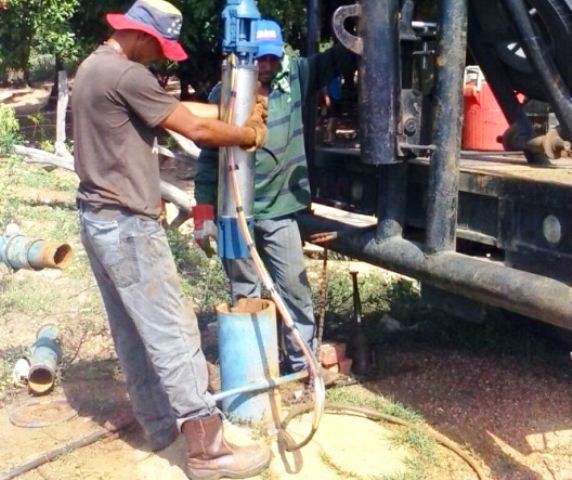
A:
[211,457]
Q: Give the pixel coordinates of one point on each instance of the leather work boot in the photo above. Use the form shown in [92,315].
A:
[211,457]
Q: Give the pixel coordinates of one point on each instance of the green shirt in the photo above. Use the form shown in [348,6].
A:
[281,184]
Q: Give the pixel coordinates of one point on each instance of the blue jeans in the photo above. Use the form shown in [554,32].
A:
[157,341]
[280,246]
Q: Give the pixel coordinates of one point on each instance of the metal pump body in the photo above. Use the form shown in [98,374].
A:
[239,80]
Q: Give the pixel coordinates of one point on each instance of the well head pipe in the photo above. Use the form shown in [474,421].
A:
[248,353]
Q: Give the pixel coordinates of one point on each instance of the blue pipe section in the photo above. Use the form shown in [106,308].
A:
[19,252]
[248,355]
[44,358]
[230,242]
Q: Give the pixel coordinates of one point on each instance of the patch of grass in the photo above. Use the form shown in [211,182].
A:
[501,334]
[379,294]
[35,176]
[357,396]
[203,278]
[373,293]
[421,446]
[268,475]
[345,474]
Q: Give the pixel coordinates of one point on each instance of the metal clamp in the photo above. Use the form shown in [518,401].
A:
[351,42]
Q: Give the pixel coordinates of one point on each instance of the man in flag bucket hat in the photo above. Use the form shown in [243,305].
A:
[157,18]
[118,107]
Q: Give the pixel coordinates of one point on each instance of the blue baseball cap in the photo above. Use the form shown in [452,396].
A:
[269,39]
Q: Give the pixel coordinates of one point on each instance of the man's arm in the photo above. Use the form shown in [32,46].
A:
[320,69]
[138,89]
[207,131]
[204,110]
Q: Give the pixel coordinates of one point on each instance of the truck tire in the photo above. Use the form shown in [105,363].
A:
[553,22]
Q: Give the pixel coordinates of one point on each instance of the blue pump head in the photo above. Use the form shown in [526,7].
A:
[240,18]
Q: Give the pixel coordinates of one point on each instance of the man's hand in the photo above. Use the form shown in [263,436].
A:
[205,228]
[257,122]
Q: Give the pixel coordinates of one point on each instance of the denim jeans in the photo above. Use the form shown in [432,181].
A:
[280,246]
[157,341]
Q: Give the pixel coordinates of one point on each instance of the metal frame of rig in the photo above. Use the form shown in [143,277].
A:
[473,239]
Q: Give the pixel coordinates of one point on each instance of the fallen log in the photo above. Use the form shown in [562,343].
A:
[187,145]
[169,192]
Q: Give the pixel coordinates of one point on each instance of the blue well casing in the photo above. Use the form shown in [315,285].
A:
[248,353]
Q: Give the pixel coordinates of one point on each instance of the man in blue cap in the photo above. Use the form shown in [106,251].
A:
[282,189]
[118,107]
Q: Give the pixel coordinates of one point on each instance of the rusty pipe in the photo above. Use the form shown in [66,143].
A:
[20,252]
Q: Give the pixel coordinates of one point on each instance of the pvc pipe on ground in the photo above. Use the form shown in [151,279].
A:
[44,358]
[19,252]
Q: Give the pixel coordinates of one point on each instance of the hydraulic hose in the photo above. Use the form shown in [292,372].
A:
[341,409]
[319,393]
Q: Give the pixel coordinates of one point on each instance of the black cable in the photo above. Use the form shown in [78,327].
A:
[271,153]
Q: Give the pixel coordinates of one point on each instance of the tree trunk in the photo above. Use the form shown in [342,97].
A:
[53,100]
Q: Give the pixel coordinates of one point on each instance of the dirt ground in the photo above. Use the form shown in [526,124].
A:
[514,413]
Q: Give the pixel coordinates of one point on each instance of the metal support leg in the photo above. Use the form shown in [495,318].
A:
[309,107]
[391,200]
[379,81]
[444,170]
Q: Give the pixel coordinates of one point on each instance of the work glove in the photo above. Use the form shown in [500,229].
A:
[261,106]
[257,122]
[205,227]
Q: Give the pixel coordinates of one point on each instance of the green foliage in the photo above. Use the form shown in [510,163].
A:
[35,176]
[70,29]
[373,289]
[36,25]
[9,129]
[357,396]
[89,25]
[405,297]
[201,33]
[204,279]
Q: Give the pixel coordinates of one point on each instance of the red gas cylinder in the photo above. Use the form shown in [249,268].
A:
[484,119]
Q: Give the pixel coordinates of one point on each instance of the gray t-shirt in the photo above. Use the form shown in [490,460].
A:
[116,106]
